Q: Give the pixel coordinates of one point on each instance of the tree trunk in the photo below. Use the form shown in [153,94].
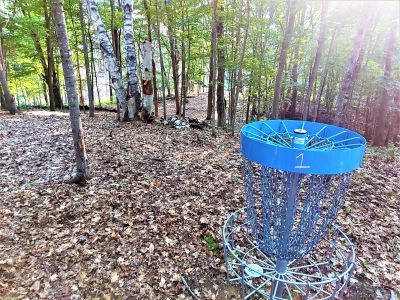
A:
[133,94]
[78,66]
[174,60]
[93,68]
[186,79]
[9,100]
[82,173]
[147,81]
[282,57]
[115,35]
[155,93]
[50,59]
[382,113]
[2,100]
[317,60]
[211,83]
[295,73]
[396,120]
[213,63]
[161,63]
[86,56]
[244,45]
[43,80]
[108,52]
[234,50]
[324,75]
[350,69]
[221,105]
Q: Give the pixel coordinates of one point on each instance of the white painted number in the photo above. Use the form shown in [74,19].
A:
[301,156]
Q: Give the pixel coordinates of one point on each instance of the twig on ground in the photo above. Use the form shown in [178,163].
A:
[188,288]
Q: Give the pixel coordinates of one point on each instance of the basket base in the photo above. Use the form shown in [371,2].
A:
[322,274]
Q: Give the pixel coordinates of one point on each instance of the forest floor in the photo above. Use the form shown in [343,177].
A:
[153,210]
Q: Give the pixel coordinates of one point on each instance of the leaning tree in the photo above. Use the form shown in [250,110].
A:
[129,97]
[82,170]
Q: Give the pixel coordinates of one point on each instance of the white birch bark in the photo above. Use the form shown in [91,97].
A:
[147,76]
[108,52]
[133,93]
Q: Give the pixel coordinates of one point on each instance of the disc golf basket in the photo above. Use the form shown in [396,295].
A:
[283,244]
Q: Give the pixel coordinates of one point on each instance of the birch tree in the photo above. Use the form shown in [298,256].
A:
[109,56]
[147,77]
[82,170]
[133,94]
[149,35]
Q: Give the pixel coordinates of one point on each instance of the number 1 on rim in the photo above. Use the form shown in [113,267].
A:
[301,156]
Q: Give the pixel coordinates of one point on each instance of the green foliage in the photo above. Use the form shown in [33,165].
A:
[190,23]
[211,243]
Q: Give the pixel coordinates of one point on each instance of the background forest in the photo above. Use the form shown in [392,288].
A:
[333,62]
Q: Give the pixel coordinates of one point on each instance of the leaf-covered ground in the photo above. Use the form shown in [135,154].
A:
[152,212]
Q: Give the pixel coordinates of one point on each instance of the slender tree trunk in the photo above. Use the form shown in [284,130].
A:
[365,43]
[50,58]
[2,100]
[282,57]
[161,63]
[248,105]
[9,99]
[350,69]
[234,50]
[188,66]
[317,60]
[86,56]
[93,69]
[295,73]
[183,76]
[174,60]
[81,99]
[43,80]
[213,63]
[108,51]
[131,64]
[115,35]
[221,105]
[324,75]
[82,173]
[368,125]
[383,110]
[396,120]
[244,45]
[211,83]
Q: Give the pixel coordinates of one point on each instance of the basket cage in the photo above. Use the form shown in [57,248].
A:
[318,199]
